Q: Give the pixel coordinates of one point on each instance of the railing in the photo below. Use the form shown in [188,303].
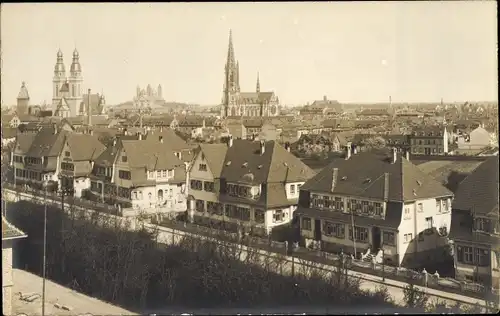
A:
[395,273]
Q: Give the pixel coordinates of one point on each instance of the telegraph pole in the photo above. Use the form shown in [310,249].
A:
[44,247]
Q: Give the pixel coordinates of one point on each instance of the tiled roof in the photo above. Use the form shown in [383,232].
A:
[243,159]
[169,136]
[95,103]
[255,97]
[84,146]
[479,191]
[9,132]
[9,231]
[214,155]
[372,175]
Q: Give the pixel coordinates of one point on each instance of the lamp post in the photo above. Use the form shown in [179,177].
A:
[44,246]
[383,263]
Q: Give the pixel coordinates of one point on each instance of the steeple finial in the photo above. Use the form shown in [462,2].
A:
[230,49]
[258,83]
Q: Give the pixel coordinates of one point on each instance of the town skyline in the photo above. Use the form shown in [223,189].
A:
[301,51]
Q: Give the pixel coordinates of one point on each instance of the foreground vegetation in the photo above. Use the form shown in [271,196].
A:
[132,270]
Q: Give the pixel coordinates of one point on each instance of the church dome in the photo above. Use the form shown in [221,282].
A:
[59,67]
[75,65]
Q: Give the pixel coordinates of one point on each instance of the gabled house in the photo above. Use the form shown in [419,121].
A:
[140,175]
[36,157]
[475,226]
[245,185]
[77,160]
[395,212]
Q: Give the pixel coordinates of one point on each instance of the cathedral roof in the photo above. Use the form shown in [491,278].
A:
[255,97]
[23,92]
[95,103]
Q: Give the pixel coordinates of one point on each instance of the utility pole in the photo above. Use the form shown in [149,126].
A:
[44,247]
[353,232]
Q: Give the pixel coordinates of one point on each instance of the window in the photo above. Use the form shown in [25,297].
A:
[67,154]
[334,230]
[306,224]
[164,174]
[428,223]
[196,185]
[408,238]
[339,204]
[378,209]
[445,205]
[214,208]
[171,173]
[481,224]
[124,158]
[438,206]
[364,207]
[200,206]
[278,216]
[360,233]
[388,238]
[465,253]
[259,216]
[208,186]
[482,257]
[407,214]
[67,166]
[202,167]
[292,189]
[158,174]
[134,196]
[420,207]
[122,174]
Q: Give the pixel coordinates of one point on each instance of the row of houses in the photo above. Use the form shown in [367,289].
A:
[375,203]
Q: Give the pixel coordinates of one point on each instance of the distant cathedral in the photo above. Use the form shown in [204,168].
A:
[236,103]
[68,99]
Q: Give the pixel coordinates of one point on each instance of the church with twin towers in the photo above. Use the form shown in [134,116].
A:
[68,97]
[237,103]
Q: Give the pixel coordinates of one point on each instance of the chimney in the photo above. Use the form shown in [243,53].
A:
[89,109]
[407,155]
[394,155]
[348,151]
[230,141]
[161,139]
[335,175]
[262,147]
[325,98]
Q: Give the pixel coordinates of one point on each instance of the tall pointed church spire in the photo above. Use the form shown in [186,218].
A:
[230,50]
[258,83]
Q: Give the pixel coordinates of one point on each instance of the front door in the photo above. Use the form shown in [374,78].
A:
[376,238]
[317,229]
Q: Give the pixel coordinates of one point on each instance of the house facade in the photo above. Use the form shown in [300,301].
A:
[430,140]
[10,234]
[395,212]
[475,226]
[36,157]
[144,175]
[244,185]
[78,154]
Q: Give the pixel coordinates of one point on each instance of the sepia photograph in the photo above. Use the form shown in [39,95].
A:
[221,158]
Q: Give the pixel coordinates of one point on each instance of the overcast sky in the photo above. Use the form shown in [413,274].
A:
[349,51]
